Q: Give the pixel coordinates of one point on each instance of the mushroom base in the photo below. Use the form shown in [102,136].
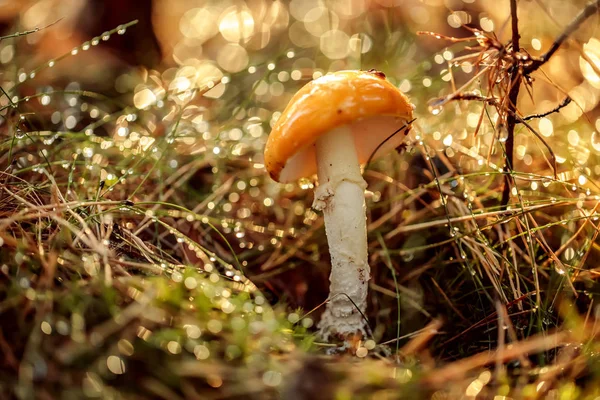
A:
[340,196]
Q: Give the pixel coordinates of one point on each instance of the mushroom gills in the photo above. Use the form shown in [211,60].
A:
[371,138]
[340,195]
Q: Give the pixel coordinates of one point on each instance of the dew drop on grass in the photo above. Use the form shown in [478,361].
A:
[307,322]
[201,352]
[115,365]
[19,134]
[569,254]
[293,318]
[46,327]
[362,352]
[176,276]
[408,257]
[502,134]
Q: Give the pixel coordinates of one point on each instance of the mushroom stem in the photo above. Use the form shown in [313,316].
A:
[340,195]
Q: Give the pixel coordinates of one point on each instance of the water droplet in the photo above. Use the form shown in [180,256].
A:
[502,134]
[447,140]
[121,30]
[435,110]
[19,134]
[569,254]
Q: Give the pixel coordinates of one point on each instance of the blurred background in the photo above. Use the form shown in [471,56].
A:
[269,48]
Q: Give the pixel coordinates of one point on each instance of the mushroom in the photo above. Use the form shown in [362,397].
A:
[330,127]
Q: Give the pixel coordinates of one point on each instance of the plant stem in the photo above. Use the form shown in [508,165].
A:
[513,96]
[587,12]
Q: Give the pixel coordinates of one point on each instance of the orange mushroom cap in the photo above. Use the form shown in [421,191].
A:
[364,100]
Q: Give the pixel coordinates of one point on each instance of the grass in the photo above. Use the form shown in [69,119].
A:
[145,254]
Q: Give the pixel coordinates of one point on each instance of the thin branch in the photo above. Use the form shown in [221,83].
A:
[29,32]
[587,12]
[511,114]
[513,96]
[567,100]
[515,26]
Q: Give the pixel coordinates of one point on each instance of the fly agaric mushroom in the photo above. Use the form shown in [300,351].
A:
[331,126]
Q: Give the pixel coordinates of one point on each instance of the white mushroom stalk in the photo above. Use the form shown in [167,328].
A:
[340,195]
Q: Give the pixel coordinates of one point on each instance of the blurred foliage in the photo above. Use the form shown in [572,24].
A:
[145,254]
